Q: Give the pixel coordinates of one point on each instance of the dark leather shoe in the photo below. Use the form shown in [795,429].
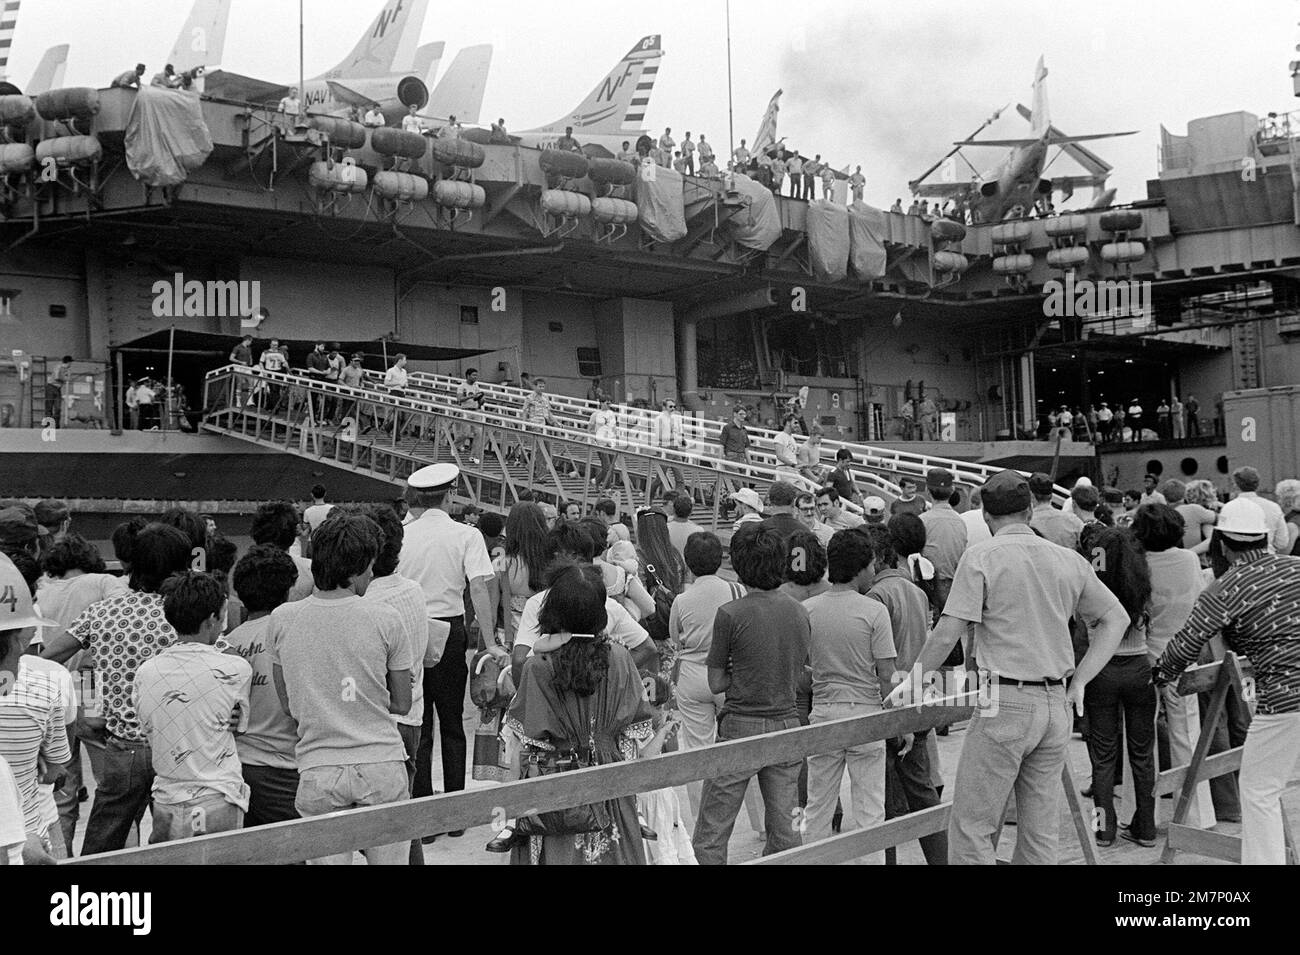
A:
[1129,835]
[428,840]
[456,833]
[505,840]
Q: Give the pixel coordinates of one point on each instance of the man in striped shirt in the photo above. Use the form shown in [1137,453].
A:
[31,706]
[1255,605]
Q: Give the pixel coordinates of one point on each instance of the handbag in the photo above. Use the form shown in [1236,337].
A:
[656,624]
[589,817]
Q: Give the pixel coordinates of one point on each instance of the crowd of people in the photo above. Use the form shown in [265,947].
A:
[1170,420]
[203,684]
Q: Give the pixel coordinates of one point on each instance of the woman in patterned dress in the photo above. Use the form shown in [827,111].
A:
[580,689]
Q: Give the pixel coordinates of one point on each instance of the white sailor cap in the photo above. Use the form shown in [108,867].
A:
[435,477]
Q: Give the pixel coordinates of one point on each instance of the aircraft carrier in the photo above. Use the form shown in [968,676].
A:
[469,252]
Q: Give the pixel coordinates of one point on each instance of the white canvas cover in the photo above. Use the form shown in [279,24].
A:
[660,202]
[166,136]
[758,225]
[828,240]
[866,241]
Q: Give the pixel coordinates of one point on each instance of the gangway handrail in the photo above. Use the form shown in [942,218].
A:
[906,462]
[736,472]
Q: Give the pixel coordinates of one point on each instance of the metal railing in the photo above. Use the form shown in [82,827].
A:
[705,433]
[392,435]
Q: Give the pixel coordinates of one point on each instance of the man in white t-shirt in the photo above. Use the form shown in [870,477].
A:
[785,449]
[407,598]
[291,105]
[316,513]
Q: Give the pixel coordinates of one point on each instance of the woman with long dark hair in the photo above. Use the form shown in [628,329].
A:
[1123,688]
[664,574]
[580,703]
[657,550]
[523,568]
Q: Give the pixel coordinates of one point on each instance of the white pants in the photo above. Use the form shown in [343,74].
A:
[866,766]
[1183,716]
[1270,755]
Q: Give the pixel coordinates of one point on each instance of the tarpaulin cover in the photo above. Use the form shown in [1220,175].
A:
[828,240]
[866,241]
[166,136]
[660,203]
[758,225]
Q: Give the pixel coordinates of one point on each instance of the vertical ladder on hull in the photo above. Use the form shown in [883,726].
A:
[39,379]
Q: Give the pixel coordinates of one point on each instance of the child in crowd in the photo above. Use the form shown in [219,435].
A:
[188,697]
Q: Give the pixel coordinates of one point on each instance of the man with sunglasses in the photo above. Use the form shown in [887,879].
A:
[669,436]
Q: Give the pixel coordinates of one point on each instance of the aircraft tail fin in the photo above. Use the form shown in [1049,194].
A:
[766,137]
[619,101]
[202,40]
[1041,119]
[49,72]
[427,59]
[389,45]
[460,91]
[8,24]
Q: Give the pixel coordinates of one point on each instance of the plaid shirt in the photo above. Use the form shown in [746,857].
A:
[536,409]
[1256,606]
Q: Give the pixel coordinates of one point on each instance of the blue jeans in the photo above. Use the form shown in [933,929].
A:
[723,796]
[1019,746]
[326,789]
[121,795]
[194,817]
[271,793]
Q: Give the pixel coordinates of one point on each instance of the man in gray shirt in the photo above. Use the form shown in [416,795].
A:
[1056,525]
[342,668]
[945,532]
[1019,591]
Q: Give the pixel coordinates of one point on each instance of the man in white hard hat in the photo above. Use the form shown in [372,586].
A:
[31,720]
[444,557]
[1255,606]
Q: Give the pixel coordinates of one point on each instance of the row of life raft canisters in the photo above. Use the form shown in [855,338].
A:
[347,177]
[560,165]
[1066,231]
[18,112]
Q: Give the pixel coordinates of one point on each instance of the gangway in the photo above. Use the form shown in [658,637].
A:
[499,456]
[703,435]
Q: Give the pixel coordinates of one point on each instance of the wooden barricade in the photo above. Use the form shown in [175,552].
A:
[1218,678]
[353,829]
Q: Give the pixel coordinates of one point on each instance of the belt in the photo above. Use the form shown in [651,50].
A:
[1008,681]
